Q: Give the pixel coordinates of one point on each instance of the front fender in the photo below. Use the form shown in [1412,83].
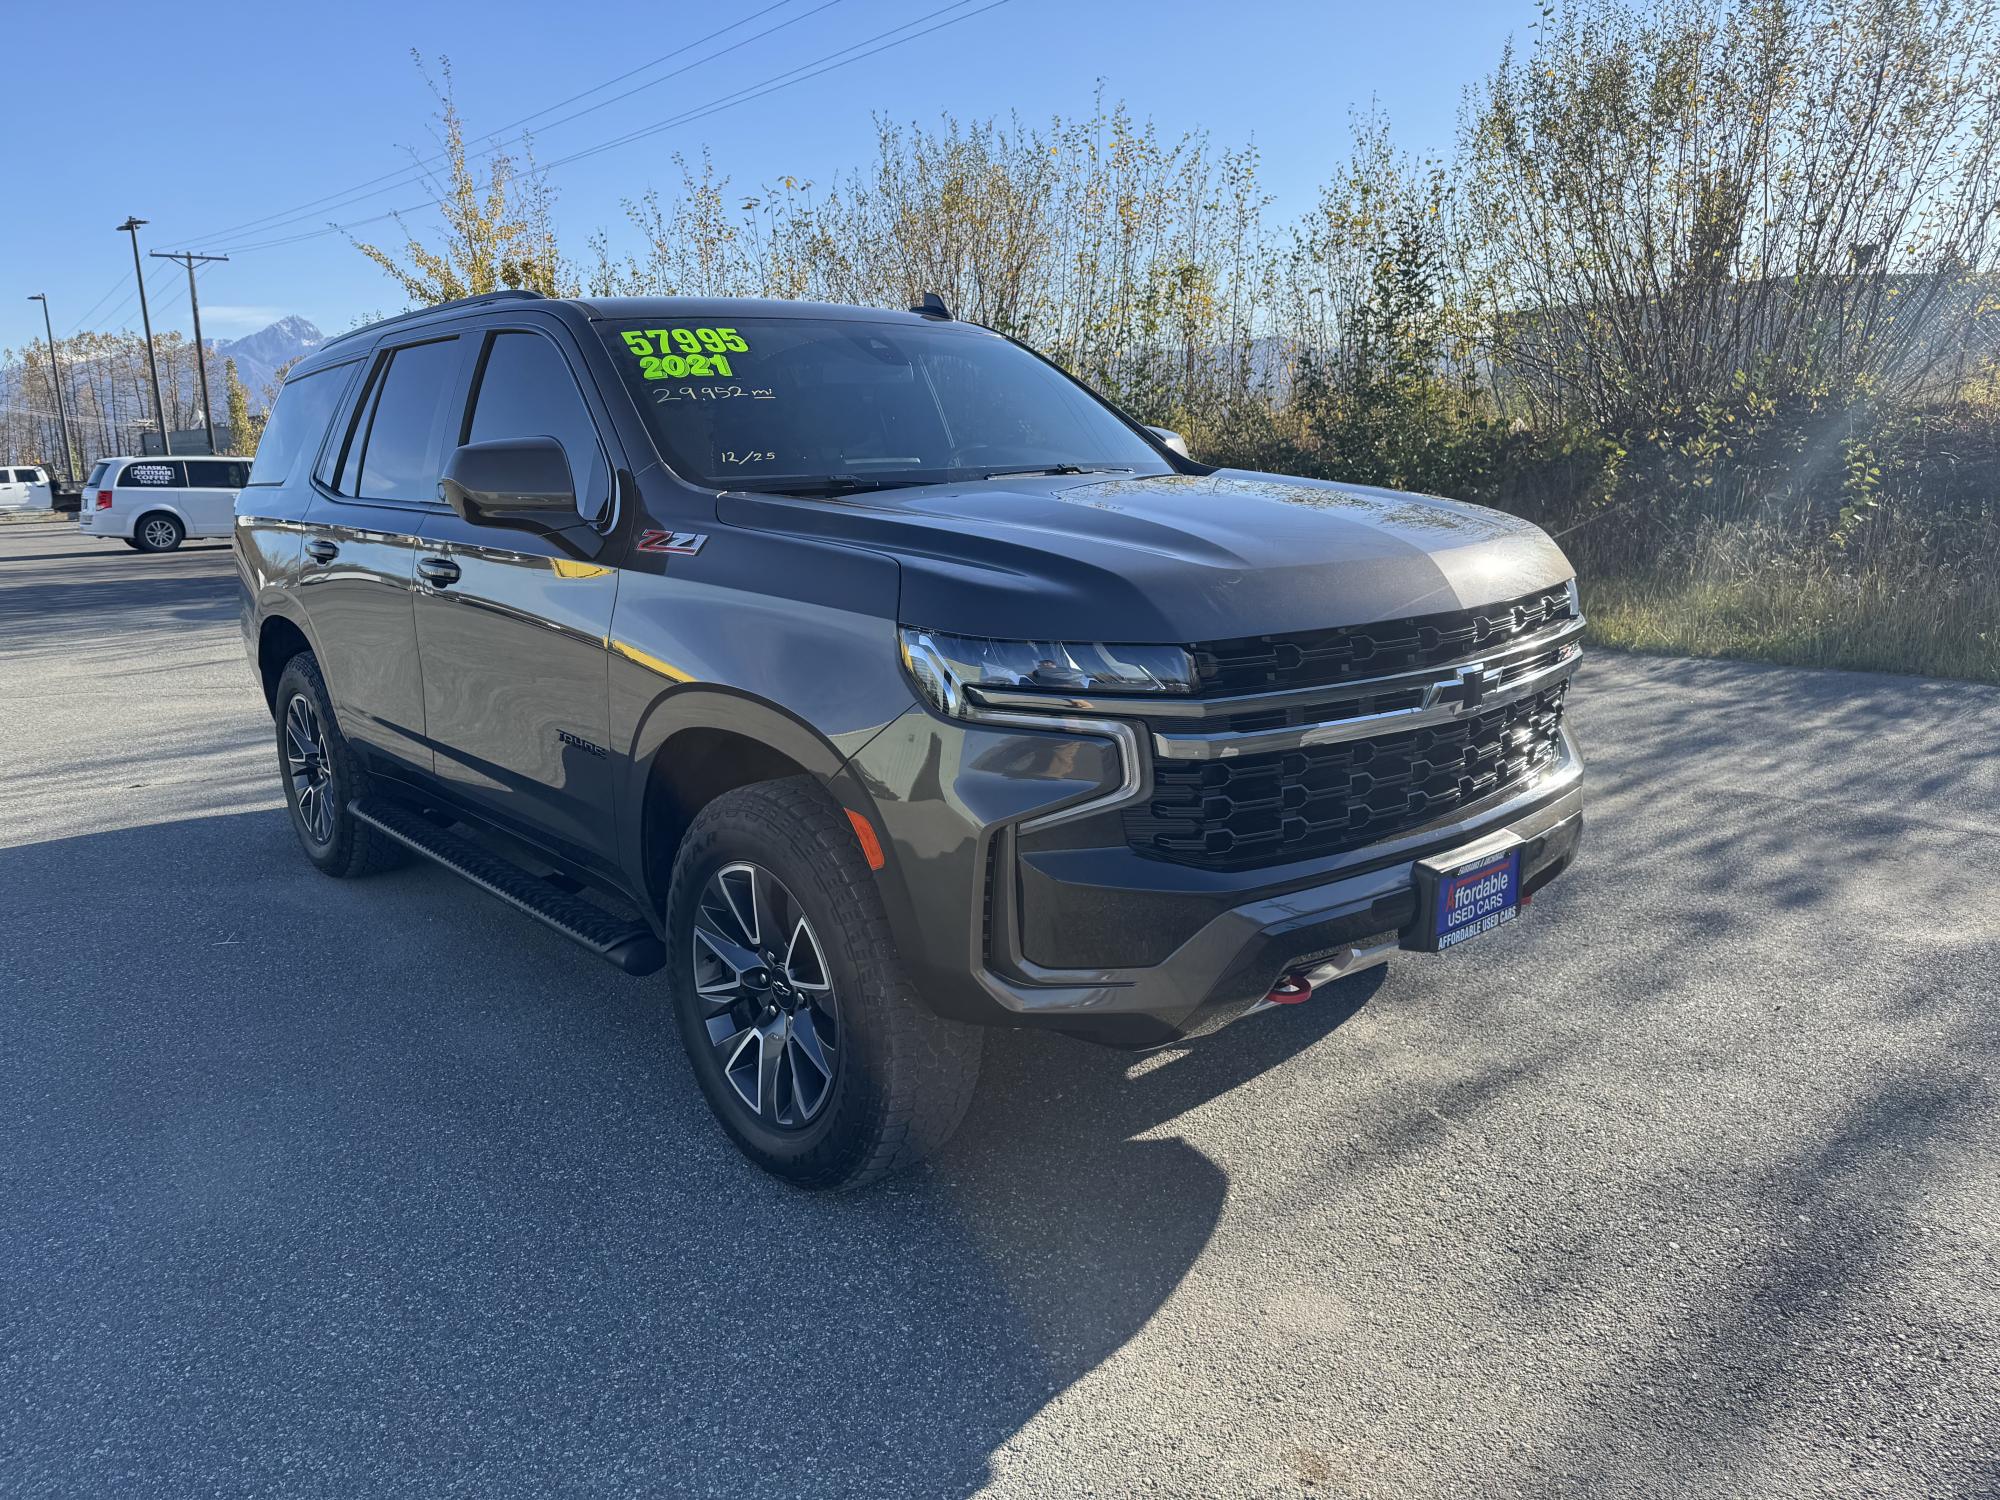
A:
[692,707]
[788,642]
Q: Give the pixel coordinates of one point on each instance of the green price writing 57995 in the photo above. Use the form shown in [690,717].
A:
[685,341]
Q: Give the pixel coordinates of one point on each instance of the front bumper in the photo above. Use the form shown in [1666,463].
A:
[1008,915]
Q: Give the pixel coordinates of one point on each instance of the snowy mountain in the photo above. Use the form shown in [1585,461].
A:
[260,355]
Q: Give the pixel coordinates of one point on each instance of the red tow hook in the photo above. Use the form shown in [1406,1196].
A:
[1291,990]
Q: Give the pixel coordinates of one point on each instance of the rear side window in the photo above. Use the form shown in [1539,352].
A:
[214,474]
[401,455]
[297,422]
[526,390]
[154,474]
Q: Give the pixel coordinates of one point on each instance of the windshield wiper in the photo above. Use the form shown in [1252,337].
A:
[1053,469]
[828,485]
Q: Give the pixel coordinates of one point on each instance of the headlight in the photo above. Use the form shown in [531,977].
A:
[943,665]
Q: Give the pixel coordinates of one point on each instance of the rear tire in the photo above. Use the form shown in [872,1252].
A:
[868,1081]
[321,776]
[157,532]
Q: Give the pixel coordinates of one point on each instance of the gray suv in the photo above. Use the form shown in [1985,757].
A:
[881,683]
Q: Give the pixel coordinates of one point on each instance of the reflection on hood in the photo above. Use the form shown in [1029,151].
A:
[1173,557]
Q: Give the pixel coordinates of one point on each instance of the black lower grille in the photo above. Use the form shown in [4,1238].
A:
[1254,810]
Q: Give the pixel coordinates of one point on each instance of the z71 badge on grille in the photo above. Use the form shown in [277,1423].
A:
[685,543]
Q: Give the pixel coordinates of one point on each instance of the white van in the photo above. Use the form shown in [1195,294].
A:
[26,488]
[154,504]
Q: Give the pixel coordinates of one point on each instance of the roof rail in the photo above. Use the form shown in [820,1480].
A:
[508,294]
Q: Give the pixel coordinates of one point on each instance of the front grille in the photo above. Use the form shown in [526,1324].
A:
[1317,658]
[1251,810]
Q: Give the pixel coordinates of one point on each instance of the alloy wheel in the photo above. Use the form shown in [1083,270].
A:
[160,534]
[766,996]
[306,764]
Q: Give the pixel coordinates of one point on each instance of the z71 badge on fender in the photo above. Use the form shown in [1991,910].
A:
[686,543]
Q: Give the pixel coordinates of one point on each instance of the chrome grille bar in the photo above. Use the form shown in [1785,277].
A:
[1469,681]
[1159,706]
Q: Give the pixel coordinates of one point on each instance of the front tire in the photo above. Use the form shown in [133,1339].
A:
[801,1026]
[158,532]
[322,776]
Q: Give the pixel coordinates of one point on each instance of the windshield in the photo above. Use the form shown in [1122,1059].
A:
[827,405]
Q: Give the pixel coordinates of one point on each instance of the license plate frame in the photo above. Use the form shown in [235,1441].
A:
[1467,893]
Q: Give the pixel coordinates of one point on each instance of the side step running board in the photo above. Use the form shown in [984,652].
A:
[629,944]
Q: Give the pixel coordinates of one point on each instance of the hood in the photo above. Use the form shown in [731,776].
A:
[1172,557]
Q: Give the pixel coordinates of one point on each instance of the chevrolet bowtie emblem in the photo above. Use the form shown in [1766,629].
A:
[1464,689]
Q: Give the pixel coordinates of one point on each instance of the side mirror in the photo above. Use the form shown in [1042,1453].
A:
[522,484]
[1172,439]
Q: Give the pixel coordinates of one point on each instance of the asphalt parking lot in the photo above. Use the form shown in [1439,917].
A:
[1687,1184]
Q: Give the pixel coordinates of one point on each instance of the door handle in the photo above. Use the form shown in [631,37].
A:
[319,549]
[437,570]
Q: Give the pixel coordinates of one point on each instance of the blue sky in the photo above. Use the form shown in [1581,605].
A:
[202,120]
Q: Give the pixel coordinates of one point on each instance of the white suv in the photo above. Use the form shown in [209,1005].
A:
[154,504]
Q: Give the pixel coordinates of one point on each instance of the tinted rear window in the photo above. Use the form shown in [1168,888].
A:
[297,422]
[402,458]
[214,474]
[96,473]
[154,474]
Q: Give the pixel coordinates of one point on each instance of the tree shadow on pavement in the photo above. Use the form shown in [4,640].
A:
[374,1188]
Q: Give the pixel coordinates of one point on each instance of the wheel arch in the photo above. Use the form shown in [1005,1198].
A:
[279,639]
[160,508]
[695,744]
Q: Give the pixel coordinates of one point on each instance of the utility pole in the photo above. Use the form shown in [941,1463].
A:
[55,379]
[188,259]
[131,227]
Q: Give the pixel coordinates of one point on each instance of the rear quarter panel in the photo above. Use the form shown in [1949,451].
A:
[267,537]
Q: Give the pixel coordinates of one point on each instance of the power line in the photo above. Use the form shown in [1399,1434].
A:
[699,62]
[93,308]
[280,217]
[355,194]
[131,297]
[774,84]
[760,90]
[804,72]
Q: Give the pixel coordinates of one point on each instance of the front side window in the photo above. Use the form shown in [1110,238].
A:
[297,423]
[526,390]
[154,474]
[823,404]
[400,453]
[27,476]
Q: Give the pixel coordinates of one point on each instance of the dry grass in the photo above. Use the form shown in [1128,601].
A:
[1933,622]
